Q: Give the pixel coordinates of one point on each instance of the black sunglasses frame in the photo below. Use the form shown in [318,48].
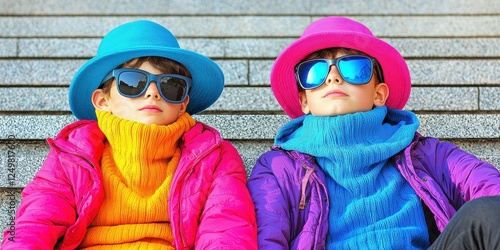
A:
[150,78]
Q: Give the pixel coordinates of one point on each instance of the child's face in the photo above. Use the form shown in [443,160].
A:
[150,108]
[337,97]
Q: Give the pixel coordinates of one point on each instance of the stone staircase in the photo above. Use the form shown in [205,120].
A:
[452,48]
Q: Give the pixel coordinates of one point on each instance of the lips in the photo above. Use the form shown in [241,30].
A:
[151,108]
[335,93]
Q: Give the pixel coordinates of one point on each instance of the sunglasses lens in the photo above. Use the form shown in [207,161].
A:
[132,84]
[313,73]
[356,70]
[172,88]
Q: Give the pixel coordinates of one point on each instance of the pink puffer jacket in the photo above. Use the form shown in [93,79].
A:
[209,205]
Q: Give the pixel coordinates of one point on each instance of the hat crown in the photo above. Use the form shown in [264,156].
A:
[137,34]
[336,25]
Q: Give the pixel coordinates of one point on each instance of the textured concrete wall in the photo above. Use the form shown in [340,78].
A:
[452,48]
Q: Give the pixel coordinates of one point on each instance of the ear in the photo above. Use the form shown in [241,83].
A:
[381,94]
[184,106]
[303,102]
[100,100]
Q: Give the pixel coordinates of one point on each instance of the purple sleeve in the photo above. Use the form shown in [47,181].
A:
[472,177]
[271,207]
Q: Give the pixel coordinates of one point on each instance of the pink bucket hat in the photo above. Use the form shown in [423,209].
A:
[342,32]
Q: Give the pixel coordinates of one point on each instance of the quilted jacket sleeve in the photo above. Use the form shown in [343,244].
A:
[471,177]
[271,206]
[228,217]
[460,175]
[46,211]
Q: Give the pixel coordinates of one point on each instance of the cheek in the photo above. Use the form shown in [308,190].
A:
[118,103]
[313,97]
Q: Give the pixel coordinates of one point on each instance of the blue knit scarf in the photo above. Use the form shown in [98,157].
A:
[371,205]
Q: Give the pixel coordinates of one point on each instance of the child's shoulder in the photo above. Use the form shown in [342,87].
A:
[428,142]
[285,158]
[432,147]
[82,135]
[80,128]
[289,167]
[275,152]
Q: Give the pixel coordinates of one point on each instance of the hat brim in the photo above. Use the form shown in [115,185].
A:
[207,77]
[395,70]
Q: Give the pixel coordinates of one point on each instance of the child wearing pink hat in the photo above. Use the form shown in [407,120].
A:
[137,171]
[350,170]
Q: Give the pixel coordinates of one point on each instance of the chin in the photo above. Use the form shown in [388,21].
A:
[330,113]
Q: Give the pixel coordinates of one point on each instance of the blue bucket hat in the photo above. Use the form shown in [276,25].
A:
[139,39]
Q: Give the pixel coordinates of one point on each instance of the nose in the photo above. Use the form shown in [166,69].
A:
[334,76]
[152,91]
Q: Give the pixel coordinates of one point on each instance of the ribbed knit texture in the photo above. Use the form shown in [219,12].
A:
[372,205]
[138,164]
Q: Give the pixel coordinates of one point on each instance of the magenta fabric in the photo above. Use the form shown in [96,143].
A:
[337,31]
[442,175]
[209,205]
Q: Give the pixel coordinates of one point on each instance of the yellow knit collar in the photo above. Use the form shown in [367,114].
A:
[138,141]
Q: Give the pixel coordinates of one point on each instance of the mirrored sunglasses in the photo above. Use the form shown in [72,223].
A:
[354,69]
[133,83]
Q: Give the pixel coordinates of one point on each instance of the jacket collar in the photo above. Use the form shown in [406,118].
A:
[82,137]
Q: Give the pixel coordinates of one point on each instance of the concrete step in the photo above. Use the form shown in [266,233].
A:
[249,48]
[263,127]
[242,7]
[261,99]
[52,72]
[249,26]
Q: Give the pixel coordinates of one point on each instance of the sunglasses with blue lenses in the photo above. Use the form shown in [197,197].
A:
[133,83]
[354,69]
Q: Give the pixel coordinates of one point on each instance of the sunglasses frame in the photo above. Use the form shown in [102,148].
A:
[150,78]
[334,61]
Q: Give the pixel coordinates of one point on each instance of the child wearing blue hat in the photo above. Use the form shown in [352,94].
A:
[350,170]
[137,171]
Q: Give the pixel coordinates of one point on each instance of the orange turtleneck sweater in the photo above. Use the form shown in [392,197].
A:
[138,164]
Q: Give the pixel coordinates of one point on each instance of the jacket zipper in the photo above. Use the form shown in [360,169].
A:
[423,187]
[181,227]
[54,145]
[305,180]
[187,175]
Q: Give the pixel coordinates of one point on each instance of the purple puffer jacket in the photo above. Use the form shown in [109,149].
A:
[291,201]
